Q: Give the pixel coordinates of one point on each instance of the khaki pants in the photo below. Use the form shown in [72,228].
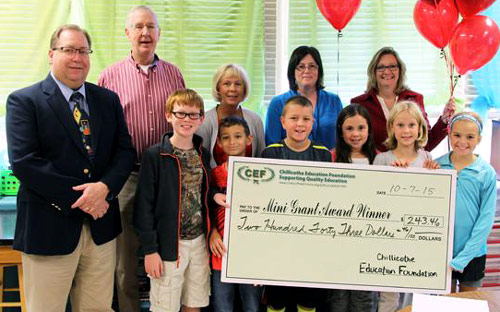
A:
[187,283]
[127,284]
[86,275]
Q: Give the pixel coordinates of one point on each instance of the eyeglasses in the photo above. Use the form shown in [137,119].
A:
[302,68]
[192,116]
[73,51]
[392,67]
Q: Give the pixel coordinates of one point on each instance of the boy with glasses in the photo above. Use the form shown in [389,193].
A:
[171,211]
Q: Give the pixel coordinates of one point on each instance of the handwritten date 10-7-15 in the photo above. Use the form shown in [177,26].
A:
[412,190]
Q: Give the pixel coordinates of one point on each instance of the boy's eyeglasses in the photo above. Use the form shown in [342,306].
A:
[192,116]
[382,68]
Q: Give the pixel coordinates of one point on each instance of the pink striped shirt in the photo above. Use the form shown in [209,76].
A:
[143,97]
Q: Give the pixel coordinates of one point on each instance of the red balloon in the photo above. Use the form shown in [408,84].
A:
[471,7]
[474,43]
[338,12]
[436,20]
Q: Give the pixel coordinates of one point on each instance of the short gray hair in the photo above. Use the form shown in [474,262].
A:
[140,8]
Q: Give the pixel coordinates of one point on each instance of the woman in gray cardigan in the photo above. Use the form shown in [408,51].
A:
[230,87]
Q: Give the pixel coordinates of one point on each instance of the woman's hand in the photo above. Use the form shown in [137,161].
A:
[216,244]
[220,199]
[153,265]
[449,110]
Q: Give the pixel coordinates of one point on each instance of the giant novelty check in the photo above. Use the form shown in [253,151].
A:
[330,225]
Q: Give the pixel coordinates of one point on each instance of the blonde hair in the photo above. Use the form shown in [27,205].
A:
[184,97]
[229,70]
[415,112]
[372,70]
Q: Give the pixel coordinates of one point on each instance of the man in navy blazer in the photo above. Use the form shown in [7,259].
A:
[67,211]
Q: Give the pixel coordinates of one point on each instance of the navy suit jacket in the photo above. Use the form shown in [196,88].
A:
[47,156]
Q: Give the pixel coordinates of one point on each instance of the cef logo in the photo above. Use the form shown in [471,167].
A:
[256,175]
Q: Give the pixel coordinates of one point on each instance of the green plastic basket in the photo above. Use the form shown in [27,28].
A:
[9,183]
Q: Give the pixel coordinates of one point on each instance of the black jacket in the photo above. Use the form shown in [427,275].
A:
[157,211]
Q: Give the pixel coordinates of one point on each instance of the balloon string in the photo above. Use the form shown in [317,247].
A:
[449,69]
[454,78]
[457,77]
[452,74]
[339,34]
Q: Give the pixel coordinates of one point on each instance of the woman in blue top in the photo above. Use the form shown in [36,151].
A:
[305,76]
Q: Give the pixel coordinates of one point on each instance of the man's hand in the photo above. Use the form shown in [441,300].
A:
[93,199]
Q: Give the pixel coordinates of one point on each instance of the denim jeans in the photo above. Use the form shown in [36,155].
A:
[223,295]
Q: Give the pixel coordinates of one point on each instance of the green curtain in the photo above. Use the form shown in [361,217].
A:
[26,30]
[197,36]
